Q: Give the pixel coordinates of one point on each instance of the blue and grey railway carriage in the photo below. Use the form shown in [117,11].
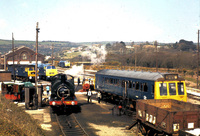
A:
[133,85]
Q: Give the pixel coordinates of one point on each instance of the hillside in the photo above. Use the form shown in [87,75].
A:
[44,46]
[14,121]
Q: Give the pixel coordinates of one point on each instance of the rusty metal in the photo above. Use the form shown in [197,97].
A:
[168,116]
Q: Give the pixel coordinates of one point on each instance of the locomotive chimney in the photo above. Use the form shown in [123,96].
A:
[63,78]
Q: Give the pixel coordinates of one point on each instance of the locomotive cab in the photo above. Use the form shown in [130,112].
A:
[171,87]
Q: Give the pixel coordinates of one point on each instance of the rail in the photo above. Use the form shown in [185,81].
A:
[193,93]
[70,126]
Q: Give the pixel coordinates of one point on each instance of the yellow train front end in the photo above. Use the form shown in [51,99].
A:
[51,71]
[173,87]
[31,72]
[67,64]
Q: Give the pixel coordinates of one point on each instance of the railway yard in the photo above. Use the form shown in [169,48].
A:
[93,119]
[89,119]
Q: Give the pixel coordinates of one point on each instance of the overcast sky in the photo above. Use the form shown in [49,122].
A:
[100,20]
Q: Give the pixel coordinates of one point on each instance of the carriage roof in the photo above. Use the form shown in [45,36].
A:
[152,76]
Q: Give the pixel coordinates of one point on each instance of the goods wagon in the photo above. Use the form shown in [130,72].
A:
[166,116]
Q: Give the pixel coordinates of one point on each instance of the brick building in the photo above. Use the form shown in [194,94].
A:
[22,55]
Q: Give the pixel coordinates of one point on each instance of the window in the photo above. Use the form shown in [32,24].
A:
[123,83]
[145,87]
[141,87]
[111,80]
[24,56]
[133,84]
[172,88]
[180,89]
[129,84]
[163,89]
[137,85]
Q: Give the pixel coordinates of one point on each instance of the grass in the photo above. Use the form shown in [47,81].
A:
[14,121]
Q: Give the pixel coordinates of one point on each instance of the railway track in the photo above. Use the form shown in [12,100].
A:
[193,93]
[193,96]
[70,126]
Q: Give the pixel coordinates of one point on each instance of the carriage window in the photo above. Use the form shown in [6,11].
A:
[145,87]
[117,82]
[129,84]
[180,89]
[123,83]
[141,87]
[137,86]
[133,84]
[111,80]
[172,88]
[163,89]
[114,81]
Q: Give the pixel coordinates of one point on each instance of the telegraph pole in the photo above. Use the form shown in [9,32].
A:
[52,53]
[135,58]
[13,50]
[198,61]
[36,56]
[156,44]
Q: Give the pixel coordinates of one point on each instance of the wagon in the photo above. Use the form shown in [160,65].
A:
[166,116]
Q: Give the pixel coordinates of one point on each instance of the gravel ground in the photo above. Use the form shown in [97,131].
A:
[97,119]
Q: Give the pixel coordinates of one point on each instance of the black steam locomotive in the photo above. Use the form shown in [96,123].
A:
[62,91]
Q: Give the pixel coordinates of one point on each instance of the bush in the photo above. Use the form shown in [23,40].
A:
[15,121]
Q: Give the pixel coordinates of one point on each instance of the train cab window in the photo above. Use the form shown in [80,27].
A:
[163,89]
[180,89]
[129,84]
[137,85]
[172,88]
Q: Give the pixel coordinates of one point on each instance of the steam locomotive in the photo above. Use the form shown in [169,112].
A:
[62,92]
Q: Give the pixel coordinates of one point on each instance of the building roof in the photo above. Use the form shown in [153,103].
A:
[19,48]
